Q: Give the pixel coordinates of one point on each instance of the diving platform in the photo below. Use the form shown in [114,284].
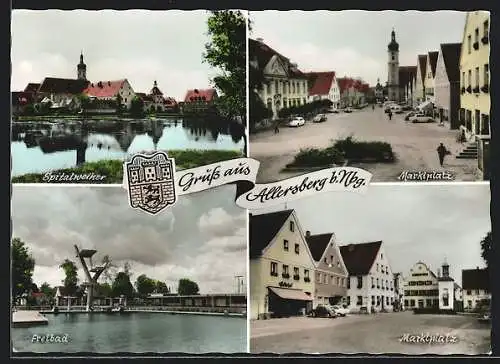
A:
[28,319]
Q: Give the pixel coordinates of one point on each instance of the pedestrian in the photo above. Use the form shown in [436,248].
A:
[390,115]
[373,107]
[276,128]
[442,152]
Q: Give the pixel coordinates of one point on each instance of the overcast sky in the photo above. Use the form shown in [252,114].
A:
[202,237]
[354,42]
[142,46]
[415,222]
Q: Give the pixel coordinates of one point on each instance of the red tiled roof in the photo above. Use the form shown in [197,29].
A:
[433,57]
[320,82]
[422,61]
[263,54]
[475,279]
[346,83]
[200,95]
[32,87]
[359,258]
[104,88]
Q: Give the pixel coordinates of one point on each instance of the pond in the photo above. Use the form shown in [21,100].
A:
[46,146]
[136,333]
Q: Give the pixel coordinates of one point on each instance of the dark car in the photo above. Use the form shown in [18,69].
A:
[323,311]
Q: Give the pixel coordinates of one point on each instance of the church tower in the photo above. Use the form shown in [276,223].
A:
[446,269]
[393,69]
[82,69]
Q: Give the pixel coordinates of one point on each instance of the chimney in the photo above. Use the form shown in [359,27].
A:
[109,83]
[308,233]
[477,268]
[260,40]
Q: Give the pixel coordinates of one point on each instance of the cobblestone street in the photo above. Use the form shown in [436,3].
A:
[414,144]
[380,333]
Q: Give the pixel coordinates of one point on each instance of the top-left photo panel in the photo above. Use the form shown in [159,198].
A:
[89,89]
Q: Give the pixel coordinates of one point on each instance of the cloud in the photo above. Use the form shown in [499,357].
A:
[142,46]
[354,42]
[415,222]
[188,240]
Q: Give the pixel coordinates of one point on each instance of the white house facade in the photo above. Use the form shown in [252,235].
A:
[323,85]
[281,266]
[371,285]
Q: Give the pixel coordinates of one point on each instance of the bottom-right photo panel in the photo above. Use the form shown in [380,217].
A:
[401,269]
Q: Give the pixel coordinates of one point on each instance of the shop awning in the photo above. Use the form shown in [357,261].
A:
[290,294]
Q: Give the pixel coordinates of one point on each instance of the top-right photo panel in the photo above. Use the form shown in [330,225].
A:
[404,95]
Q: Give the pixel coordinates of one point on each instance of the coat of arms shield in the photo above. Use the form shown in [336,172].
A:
[151,183]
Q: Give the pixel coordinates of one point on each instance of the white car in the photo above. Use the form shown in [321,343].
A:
[421,118]
[340,310]
[297,121]
[348,110]
[319,118]
[396,109]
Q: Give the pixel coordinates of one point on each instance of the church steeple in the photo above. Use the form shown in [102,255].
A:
[393,45]
[81,68]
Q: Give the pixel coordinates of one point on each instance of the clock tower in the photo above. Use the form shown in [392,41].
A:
[393,69]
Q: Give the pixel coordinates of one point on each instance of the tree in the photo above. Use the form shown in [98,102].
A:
[161,287]
[257,110]
[84,101]
[104,290]
[137,106]
[23,266]
[47,290]
[145,285]
[226,51]
[70,282]
[187,287]
[486,247]
[118,104]
[122,286]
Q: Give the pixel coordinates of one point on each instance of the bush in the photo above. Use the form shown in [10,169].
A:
[364,151]
[313,157]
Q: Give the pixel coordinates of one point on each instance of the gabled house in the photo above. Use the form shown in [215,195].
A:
[199,101]
[370,285]
[419,96]
[476,288]
[111,91]
[281,266]
[447,84]
[330,277]
[61,92]
[405,84]
[323,85]
[352,92]
[475,99]
[421,288]
[285,85]
[431,74]
[155,101]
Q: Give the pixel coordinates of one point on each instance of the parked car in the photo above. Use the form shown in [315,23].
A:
[396,109]
[409,115]
[341,310]
[388,107]
[323,311]
[297,121]
[334,111]
[420,117]
[348,110]
[319,118]
[486,317]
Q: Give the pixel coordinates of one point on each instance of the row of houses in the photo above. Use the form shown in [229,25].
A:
[105,96]
[285,85]
[292,271]
[452,80]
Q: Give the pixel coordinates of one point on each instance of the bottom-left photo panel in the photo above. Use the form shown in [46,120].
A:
[89,274]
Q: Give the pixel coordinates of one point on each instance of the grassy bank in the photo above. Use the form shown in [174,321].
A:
[113,169]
